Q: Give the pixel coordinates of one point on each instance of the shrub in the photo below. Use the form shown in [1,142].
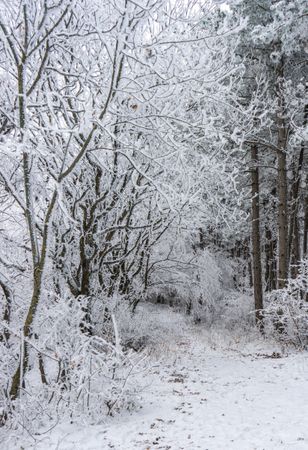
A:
[286,311]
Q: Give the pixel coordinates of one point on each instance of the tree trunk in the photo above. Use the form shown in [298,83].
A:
[18,377]
[270,271]
[282,184]
[305,240]
[8,294]
[255,235]
[282,219]
[24,359]
[294,245]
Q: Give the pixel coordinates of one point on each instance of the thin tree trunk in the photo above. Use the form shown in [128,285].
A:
[295,257]
[23,364]
[282,185]
[282,220]
[37,272]
[304,146]
[294,250]
[305,240]
[270,277]
[7,309]
[255,235]
[17,379]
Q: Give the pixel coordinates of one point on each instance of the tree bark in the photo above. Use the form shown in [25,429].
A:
[282,218]
[270,271]
[282,184]
[255,235]
[38,269]
[294,245]
[7,309]
[305,240]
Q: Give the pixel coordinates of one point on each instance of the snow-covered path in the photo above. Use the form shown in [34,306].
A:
[214,400]
[200,397]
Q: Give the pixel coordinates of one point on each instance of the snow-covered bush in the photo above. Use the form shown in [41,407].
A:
[235,311]
[72,374]
[147,327]
[194,279]
[205,287]
[286,312]
[150,326]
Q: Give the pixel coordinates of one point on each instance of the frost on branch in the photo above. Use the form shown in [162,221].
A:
[87,377]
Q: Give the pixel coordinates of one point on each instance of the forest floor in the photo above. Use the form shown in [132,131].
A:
[204,390]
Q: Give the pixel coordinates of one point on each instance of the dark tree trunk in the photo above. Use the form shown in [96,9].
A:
[294,245]
[270,269]
[7,309]
[282,210]
[305,240]
[255,235]
[282,184]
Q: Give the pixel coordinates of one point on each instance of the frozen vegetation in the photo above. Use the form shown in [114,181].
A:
[201,388]
[153,224]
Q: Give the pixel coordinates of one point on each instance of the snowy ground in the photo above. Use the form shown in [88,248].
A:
[205,391]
